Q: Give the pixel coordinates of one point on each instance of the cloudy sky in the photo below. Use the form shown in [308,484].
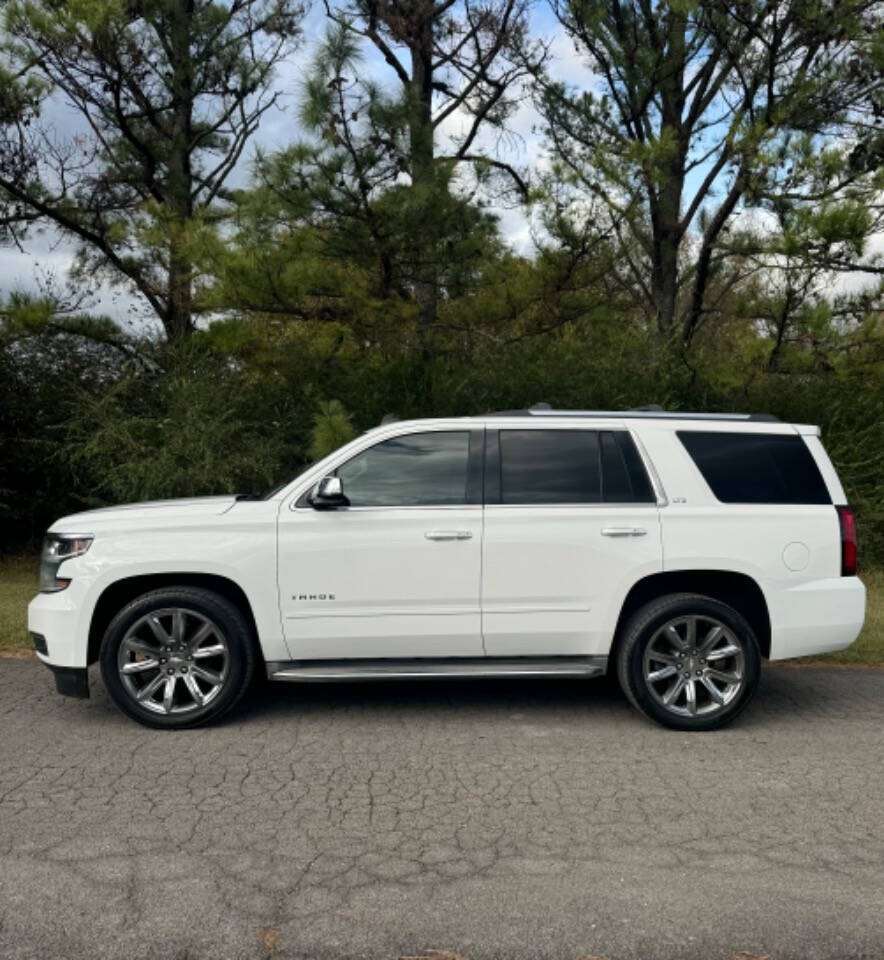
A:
[46,256]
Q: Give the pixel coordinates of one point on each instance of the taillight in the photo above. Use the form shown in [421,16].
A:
[848,541]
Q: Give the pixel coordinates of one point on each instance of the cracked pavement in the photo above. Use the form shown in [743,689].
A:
[516,819]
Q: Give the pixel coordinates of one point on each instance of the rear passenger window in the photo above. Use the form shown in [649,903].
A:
[571,466]
[549,466]
[756,467]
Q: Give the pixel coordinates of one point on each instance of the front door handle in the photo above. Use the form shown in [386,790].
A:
[623,531]
[448,535]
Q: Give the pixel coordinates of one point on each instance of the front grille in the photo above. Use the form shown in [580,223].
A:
[39,642]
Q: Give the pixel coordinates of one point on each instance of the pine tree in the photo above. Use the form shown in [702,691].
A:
[166,94]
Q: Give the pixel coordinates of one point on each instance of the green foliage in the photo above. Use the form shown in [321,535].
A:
[176,425]
[25,317]
[39,376]
[332,428]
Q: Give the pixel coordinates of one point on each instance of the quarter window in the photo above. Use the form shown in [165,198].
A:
[756,467]
[415,470]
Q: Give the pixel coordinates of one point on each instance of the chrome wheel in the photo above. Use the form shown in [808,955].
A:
[173,661]
[694,666]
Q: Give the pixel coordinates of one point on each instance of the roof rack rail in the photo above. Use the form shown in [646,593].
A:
[650,412]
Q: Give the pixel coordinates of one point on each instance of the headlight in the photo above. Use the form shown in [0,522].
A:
[58,547]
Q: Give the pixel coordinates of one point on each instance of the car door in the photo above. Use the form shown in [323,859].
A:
[571,522]
[396,573]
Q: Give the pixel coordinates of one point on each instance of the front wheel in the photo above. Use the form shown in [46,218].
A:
[177,657]
[689,662]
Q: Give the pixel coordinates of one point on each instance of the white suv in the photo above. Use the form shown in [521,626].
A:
[677,549]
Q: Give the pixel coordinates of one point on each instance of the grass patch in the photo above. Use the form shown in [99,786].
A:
[19,581]
[19,577]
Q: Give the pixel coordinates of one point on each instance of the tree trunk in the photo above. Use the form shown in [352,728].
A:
[667,195]
[179,193]
[178,321]
[664,277]
[423,179]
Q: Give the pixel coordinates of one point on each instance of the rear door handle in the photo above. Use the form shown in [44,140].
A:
[448,535]
[623,531]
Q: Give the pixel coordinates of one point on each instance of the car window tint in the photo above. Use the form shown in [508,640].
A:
[616,482]
[549,466]
[624,478]
[756,467]
[418,469]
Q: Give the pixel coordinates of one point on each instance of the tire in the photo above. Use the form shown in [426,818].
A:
[652,661]
[186,640]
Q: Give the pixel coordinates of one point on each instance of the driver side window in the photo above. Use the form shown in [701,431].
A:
[415,470]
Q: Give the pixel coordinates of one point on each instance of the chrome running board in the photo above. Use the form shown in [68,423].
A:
[329,671]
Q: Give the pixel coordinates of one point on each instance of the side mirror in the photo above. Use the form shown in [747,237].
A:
[328,494]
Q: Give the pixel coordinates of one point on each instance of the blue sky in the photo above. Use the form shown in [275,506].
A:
[47,255]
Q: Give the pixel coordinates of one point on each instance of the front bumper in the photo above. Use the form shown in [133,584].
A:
[62,621]
[52,620]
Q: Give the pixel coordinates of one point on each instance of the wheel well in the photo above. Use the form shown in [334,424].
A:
[735,589]
[118,594]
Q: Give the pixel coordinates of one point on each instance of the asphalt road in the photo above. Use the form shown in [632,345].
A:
[495,820]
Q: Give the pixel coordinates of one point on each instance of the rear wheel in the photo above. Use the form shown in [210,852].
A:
[177,657]
[689,662]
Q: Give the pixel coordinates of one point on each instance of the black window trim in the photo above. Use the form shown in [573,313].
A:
[493,469]
[475,466]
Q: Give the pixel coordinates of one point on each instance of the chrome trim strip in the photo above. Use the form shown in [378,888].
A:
[324,671]
[595,505]
[318,611]
[410,506]
[644,415]
[656,482]
[491,506]
[562,608]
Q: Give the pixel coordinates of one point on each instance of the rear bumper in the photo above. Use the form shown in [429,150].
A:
[819,616]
